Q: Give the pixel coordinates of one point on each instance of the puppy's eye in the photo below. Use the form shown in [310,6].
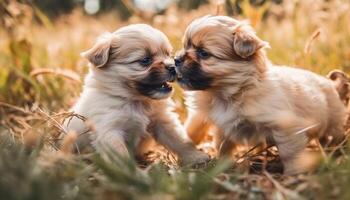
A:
[145,61]
[202,53]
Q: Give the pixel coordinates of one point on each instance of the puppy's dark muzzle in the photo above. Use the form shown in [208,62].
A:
[172,72]
[190,75]
[178,65]
[178,61]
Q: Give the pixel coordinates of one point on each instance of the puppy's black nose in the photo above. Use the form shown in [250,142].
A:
[178,61]
[171,69]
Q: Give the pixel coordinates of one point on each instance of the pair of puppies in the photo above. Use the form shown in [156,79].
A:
[231,86]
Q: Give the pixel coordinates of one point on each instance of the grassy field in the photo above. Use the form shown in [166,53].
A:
[41,76]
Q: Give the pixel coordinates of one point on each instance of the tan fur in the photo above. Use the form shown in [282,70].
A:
[250,99]
[341,81]
[111,102]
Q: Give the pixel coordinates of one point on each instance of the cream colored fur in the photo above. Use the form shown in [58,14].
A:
[110,102]
[251,99]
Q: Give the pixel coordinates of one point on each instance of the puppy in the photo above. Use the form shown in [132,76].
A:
[231,84]
[126,94]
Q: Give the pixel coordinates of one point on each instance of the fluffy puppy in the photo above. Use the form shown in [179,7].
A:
[233,85]
[126,94]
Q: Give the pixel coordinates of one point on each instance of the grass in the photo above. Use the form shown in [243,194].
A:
[41,76]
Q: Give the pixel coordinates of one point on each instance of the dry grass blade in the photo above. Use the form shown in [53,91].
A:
[228,186]
[323,152]
[3,104]
[310,41]
[304,130]
[246,154]
[55,122]
[57,71]
[288,194]
[341,144]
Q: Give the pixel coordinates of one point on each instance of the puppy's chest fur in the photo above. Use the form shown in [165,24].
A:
[229,117]
[140,113]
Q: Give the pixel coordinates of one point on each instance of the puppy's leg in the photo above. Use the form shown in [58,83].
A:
[164,131]
[224,146]
[83,131]
[336,120]
[291,148]
[146,144]
[111,139]
[197,126]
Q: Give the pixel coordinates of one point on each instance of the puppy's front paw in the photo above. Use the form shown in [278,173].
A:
[196,158]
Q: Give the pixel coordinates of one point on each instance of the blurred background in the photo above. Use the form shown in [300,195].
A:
[40,40]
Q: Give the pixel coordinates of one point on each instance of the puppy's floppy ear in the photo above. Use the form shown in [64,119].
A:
[341,82]
[245,41]
[337,74]
[98,55]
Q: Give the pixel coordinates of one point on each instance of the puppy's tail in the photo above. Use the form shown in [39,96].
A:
[342,84]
